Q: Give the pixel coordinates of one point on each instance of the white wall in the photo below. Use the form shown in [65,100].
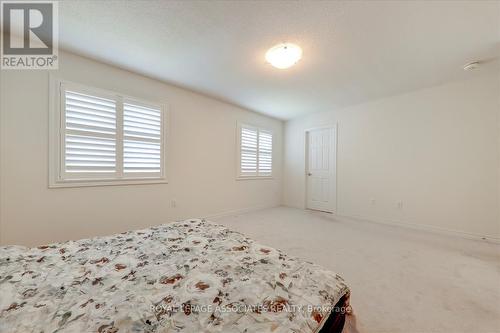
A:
[436,149]
[202,161]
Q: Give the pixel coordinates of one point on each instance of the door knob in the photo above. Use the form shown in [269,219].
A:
[309,174]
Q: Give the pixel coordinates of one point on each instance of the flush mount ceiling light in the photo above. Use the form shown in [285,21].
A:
[284,55]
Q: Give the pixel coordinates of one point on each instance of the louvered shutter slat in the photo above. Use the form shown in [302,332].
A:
[90,134]
[142,139]
[265,153]
[248,157]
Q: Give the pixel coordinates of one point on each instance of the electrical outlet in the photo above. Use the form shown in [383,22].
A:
[399,204]
[173,204]
[372,202]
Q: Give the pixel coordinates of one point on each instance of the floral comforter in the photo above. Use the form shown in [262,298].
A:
[190,276]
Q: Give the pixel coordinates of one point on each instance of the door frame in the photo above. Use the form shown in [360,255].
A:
[333,159]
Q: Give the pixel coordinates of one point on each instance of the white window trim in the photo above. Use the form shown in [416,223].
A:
[56,140]
[238,151]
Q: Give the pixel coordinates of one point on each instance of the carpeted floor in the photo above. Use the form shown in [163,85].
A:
[402,280]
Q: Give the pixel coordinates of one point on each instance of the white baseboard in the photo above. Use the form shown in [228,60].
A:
[426,227]
[414,226]
[239,211]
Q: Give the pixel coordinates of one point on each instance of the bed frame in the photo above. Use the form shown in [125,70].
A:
[336,320]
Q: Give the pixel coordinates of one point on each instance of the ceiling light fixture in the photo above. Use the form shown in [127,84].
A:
[284,55]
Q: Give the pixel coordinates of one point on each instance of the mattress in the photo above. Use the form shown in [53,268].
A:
[189,276]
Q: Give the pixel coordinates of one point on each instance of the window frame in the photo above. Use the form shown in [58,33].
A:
[57,138]
[259,128]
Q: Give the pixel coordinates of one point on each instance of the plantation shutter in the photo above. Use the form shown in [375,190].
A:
[142,138]
[265,156]
[106,137]
[89,135]
[248,151]
[256,152]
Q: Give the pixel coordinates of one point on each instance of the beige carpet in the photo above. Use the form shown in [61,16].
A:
[402,280]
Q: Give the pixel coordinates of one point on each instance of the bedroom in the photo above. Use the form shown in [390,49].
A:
[370,165]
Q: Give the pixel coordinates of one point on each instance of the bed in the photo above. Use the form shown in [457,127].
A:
[189,276]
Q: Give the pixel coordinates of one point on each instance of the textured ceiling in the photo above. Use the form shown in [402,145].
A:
[353,51]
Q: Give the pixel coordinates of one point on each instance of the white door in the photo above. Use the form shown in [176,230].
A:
[320,169]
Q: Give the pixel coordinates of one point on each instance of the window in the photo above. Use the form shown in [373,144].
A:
[104,138]
[255,152]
